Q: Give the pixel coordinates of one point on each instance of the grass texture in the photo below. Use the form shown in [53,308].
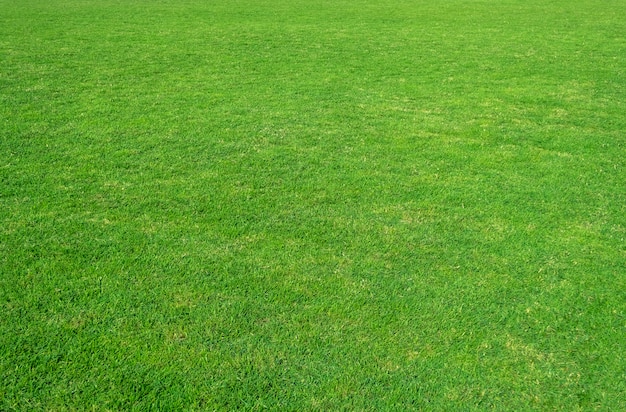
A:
[312,205]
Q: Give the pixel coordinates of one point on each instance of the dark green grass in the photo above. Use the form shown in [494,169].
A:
[312,205]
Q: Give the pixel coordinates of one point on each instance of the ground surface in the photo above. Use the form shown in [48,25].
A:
[301,205]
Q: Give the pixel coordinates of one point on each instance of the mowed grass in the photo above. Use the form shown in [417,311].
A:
[312,205]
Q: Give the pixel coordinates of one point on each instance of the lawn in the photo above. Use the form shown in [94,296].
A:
[312,205]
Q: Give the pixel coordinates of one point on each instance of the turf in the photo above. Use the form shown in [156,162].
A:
[312,205]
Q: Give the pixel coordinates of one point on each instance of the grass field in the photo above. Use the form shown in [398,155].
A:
[312,205]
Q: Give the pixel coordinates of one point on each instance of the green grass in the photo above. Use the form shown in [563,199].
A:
[326,205]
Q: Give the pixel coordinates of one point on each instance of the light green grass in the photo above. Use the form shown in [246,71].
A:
[320,205]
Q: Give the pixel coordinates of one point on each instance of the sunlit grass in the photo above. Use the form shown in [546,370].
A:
[312,206]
